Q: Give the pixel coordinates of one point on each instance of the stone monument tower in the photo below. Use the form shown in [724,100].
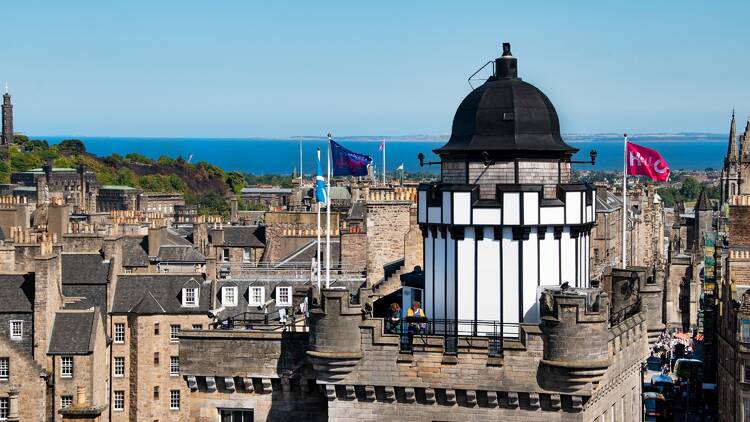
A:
[7,136]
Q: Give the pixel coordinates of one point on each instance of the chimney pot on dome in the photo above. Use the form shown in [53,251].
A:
[506,66]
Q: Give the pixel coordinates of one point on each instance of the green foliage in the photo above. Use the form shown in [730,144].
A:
[213,204]
[71,147]
[268,179]
[134,157]
[236,181]
[690,188]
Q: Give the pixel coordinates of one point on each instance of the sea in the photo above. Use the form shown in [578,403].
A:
[687,151]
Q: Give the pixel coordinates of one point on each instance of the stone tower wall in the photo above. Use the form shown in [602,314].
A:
[387,225]
[47,300]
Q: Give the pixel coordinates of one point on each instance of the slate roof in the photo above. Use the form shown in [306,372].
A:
[134,251]
[84,268]
[91,295]
[158,294]
[16,293]
[608,202]
[72,333]
[245,236]
[180,253]
[358,211]
[703,203]
[306,253]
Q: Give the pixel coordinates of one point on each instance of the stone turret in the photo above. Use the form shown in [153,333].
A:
[335,339]
[575,333]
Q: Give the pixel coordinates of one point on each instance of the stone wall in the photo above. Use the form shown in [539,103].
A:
[489,176]
[47,300]
[82,242]
[739,221]
[453,172]
[387,225]
[28,378]
[354,251]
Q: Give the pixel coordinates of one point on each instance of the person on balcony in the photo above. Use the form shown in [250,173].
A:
[416,311]
[393,323]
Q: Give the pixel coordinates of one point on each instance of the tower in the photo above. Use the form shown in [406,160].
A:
[743,176]
[505,219]
[7,136]
[730,172]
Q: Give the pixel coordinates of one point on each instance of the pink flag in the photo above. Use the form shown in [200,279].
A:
[382,145]
[644,161]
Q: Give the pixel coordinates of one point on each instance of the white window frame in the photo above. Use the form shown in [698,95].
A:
[225,300]
[288,291]
[118,403]
[4,408]
[118,367]
[251,296]
[197,326]
[117,333]
[4,368]
[63,399]
[174,363]
[174,397]
[16,334]
[190,303]
[66,370]
[225,254]
[247,254]
[174,333]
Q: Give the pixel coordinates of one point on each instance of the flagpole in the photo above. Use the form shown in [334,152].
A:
[624,200]
[318,207]
[300,162]
[384,162]
[328,219]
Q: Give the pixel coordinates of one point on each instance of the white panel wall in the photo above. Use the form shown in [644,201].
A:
[549,259]
[586,263]
[530,310]
[530,208]
[552,215]
[465,274]
[573,207]
[422,195]
[428,272]
[450,277]
[434,214]
[568,264]
[589,214]
[487,216]
[488,277]
[447,201]
[510,282]
[439,277]
[511,208]
[461,207]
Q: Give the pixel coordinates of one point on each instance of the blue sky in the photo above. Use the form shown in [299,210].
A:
[243,69]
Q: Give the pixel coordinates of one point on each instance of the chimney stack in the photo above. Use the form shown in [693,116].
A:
[506,66]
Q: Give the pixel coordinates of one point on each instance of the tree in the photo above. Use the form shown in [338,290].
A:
[236,181]
[71,147]
[690,188]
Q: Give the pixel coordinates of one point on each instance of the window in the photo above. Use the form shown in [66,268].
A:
[128,270]
[119,366]
[66,366]
[189,297]
[197,326]
[16,330]
[257,295]
[174,331]
[746,372]
[174,399]
[119,401]
[4,404]
[236,415]
[156,393]
[174,365]
[156,358]
[66,401]
[247,253]
[229,296]
[284,296]
[4,369]
[745,331]
[156,328]
[225,255]
[119,332]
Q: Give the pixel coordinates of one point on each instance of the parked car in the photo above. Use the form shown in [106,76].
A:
[654,406]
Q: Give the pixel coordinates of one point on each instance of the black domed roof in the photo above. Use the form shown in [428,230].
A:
[506,117]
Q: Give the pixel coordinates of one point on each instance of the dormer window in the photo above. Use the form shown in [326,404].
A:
[257,295]
[229,295]
[190,297]
[284,296]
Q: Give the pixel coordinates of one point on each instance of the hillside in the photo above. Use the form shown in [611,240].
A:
[202,183]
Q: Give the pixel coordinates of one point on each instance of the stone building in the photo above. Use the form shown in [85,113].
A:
[7,136]
[163,203]
[515,330]
[606,236]
[114,197]
[730,173]
[272,198]
[148,312]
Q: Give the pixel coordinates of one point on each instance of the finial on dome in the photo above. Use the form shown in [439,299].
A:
[506,65]
[506,49]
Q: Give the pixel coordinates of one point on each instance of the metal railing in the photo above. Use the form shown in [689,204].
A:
[625,313]
[262,321]
[415,330]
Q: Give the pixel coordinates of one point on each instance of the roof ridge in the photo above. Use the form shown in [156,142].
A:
[145,296]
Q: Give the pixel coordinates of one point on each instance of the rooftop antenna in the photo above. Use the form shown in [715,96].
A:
[6,87]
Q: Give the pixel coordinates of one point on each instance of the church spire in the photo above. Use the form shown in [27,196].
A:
[733,154]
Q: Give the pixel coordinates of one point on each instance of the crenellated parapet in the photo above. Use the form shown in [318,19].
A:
[575,324]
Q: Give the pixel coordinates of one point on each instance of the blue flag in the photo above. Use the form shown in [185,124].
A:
[320,183]
[348,163]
